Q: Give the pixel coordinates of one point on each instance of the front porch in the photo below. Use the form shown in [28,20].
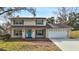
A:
[29,33]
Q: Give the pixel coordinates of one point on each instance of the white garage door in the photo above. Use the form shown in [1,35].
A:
[59,34]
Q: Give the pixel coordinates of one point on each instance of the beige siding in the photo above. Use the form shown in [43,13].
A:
[33,22]
[29,22]
[44,22]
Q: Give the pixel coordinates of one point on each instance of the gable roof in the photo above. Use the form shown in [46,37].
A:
[58,26]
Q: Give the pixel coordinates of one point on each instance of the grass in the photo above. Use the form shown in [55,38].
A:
[28,46]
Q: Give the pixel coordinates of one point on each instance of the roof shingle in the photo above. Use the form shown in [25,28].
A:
[58,26]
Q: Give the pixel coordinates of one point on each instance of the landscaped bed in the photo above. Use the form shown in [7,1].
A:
[28,46]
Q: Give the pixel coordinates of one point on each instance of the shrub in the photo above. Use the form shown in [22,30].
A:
[5,36]
[1,37]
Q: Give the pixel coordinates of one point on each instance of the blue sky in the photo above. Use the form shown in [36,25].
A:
[46,12]
[40,12]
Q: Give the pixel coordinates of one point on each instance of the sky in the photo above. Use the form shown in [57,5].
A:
[40,12]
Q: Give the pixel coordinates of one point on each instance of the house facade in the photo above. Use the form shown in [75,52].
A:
[37,27]
[28,27]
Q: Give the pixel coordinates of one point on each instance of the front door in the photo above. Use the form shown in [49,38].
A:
[29,33]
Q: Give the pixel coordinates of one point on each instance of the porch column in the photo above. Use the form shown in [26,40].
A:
[23,33]
[33,33]
[12,33]
[46,33]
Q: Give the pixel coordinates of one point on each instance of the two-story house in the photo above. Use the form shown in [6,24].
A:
[36,27]
[28,27]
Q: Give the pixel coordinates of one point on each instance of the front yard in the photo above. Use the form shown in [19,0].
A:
[28,46]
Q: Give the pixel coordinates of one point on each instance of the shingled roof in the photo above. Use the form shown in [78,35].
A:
[58,26]
[27,18]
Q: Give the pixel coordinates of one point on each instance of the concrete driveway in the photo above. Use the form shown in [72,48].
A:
[67,44]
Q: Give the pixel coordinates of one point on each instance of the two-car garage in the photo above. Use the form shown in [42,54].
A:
[58,30]
[57,33]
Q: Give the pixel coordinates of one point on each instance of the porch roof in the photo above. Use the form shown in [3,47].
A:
[33,27]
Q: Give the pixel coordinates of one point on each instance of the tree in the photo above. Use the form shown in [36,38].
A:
[9,11]
[63,13]
[51,20]
[74,20]
[68,15]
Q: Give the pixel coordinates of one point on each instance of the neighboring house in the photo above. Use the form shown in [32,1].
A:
[36,27]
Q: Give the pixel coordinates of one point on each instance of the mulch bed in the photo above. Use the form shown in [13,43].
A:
[47,44]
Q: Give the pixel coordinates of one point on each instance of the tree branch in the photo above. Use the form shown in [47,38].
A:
[5,11]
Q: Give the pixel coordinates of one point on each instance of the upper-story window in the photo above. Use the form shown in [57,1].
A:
[18,22]
[39,22]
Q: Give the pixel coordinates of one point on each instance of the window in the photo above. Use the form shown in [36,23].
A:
[17,32]
[18,21]
[39,22]
[39,32]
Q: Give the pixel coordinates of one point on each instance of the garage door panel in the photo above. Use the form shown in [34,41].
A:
[62,34]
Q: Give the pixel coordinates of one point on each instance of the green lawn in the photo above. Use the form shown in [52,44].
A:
[28,46]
